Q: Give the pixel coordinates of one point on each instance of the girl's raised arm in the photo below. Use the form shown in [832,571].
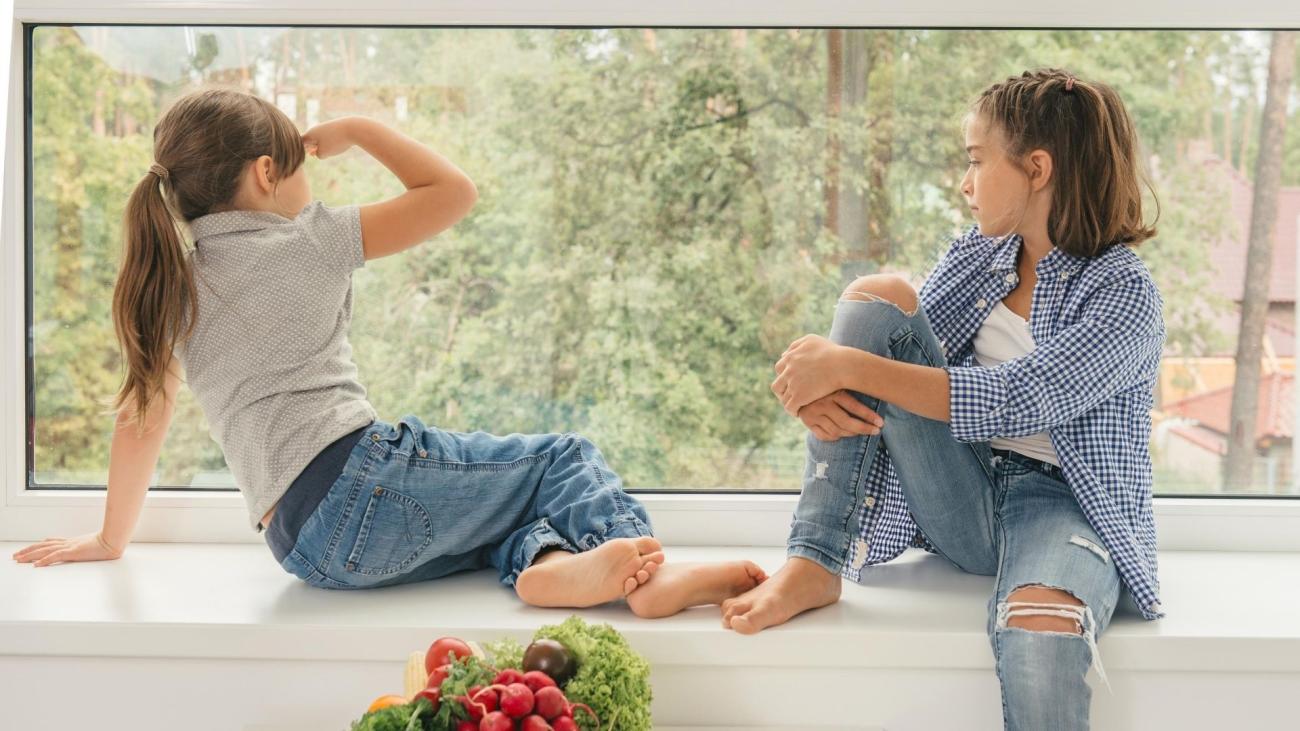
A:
[438,194]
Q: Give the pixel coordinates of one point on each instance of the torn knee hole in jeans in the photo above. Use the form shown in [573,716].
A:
[1080,613]
[858,296]
[820,474]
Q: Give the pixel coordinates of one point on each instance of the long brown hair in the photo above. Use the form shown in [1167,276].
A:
[203,143]
[1096,175]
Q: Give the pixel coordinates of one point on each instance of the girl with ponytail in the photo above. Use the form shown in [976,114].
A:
[257,314]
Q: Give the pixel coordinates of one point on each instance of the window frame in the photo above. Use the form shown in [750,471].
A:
[1234,523]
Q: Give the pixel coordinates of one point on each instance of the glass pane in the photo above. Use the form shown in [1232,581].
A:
[662,212]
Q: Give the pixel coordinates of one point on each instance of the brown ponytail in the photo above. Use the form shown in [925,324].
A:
[201,147]
[153,298]
[1083,125]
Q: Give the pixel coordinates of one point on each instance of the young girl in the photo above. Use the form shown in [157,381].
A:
[257,314]
[1005,411]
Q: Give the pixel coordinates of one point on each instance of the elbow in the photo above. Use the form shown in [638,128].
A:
[469,193]
[461,194]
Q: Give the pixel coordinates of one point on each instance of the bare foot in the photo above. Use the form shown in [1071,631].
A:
[603,574]
[681,585]
[800,585]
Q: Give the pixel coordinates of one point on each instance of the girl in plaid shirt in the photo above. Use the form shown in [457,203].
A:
[1001,416]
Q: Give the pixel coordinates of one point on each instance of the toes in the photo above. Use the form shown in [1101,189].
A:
[743,625]
[642,576]
[629,585]
[651,566]
[653,557]
[648,544]
[731,608]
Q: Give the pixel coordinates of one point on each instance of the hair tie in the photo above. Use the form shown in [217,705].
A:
[1069,84]
[159,170]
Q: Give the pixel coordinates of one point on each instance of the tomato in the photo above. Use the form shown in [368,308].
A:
[441,648]
[384,701]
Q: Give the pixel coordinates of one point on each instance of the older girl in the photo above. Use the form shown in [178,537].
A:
[1000,418]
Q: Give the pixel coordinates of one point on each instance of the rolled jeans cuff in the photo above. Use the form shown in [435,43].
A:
[543,536]
[824,546]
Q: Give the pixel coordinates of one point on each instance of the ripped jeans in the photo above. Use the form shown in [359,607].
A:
[994,514]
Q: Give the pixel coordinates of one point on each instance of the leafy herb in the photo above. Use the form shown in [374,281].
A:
[612,678]
[465,673]
[407,717]
[507,653]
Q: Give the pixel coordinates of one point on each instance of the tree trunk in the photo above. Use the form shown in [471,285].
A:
[851,223]
[1246,124]
[880,239]
[1227,127]
[834,103]
[1239,463]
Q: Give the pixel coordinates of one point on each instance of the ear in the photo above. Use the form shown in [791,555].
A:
[264,173]
[1040,169]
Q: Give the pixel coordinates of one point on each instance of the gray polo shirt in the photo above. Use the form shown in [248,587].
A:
[269,361]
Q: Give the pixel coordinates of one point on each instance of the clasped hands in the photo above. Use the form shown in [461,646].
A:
[810,383]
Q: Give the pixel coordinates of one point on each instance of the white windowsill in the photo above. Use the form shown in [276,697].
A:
[738,519]
[1227,613]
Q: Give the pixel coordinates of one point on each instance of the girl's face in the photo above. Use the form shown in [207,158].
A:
[995,187]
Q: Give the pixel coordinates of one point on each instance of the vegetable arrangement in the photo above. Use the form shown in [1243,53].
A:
[573,677]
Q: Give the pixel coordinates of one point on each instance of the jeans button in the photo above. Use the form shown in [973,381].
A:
[379,490]
[374,437]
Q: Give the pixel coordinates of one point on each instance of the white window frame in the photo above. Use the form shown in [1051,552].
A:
[1217,523]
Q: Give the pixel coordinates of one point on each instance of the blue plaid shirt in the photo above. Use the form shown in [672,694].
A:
[1089,383]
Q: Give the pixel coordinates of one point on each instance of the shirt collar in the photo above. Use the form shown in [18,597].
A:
[226,222]
[1004,258]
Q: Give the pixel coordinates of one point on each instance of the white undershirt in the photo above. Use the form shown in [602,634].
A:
[1004,336]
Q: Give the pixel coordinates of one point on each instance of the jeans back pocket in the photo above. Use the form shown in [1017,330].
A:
[395,529]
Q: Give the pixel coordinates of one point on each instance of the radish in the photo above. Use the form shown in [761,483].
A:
[479,702]
[433,694]
[551,703]
[496,721]
[438,675]
[516,700]
[536,680]
[508,676]
[467,726]
[534,723]
[564,723]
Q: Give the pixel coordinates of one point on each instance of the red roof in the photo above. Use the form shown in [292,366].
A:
[1211,409]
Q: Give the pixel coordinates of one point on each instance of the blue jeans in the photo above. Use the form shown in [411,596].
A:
[1003,515]
[414,503]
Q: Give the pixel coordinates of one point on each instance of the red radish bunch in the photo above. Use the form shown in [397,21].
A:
[519,702]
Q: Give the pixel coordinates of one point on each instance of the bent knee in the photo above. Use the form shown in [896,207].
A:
[888,287]
[1043,609]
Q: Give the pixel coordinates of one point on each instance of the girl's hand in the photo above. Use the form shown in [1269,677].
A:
[328,139]
[809,369]
[839,415]
[89,547]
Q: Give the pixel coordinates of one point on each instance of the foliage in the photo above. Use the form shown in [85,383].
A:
[651,231]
